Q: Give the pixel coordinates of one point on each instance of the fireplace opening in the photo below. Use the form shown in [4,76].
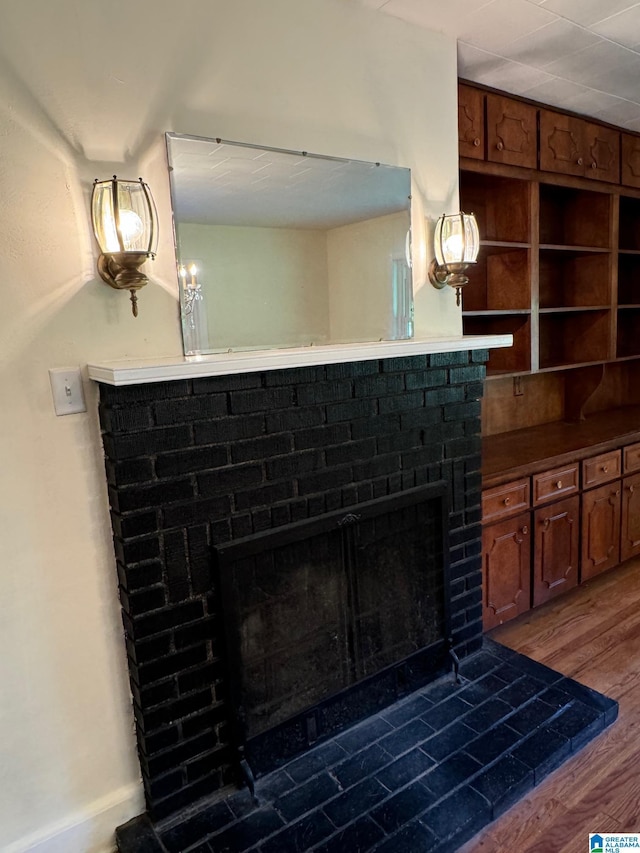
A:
[329,619]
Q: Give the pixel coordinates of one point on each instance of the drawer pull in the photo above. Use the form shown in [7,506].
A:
[525,530]
[476,142]
[605,468]
[500,146]
[630,489]
[559,484]
[506,501]
[594,165]
[580,161]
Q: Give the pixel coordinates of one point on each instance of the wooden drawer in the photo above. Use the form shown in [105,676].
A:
[503,501]
[631,455]
[554,484]
[601,469]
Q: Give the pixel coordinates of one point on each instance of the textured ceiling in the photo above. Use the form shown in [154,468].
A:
[580,55]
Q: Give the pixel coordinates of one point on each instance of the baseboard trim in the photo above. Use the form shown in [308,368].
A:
[89,831]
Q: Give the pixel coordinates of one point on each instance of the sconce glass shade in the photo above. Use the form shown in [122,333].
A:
[125,223]
[456,245]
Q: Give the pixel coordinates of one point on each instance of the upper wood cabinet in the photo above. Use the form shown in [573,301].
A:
[572,146]
[471,122]
[630,162]
[511,132]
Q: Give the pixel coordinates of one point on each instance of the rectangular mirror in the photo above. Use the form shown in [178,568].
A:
[283,248]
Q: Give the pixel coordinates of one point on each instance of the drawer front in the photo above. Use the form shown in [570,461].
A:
[555,484]
[632,458]
[503,501]
[601,469]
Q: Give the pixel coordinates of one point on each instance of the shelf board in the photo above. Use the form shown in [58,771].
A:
[629,306]
[631,252]
[573,309]
[506,374]
[572,365]
[501,312]
[575,249]
[627,357]
[503,244]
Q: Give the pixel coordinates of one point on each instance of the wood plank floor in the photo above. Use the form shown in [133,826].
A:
[593,635]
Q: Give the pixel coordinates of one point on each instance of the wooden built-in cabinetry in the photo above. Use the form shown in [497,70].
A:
[557,199]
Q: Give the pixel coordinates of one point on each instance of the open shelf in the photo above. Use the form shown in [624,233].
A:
[574,337]
[574,279]
[574,217]
[629,279]
[628,339]
[501,206]
[629,223]
[515,359]
[499,280]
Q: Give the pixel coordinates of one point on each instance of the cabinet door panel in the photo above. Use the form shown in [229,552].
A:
[511,132]
[600,530]
[471,122]
[601,153]
[506,567]
[556,549]
[630,161]
[561,143]
[630,535]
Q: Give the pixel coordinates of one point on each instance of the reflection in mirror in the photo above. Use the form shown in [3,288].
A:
[281,248]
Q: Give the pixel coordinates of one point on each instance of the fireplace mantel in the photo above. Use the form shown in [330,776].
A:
[141,371]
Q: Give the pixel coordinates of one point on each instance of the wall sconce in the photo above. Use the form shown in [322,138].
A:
[456,244]
[125,223]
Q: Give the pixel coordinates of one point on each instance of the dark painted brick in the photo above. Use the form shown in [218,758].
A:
[318,759]
[450,740]
[205,822]
[294,464]
[459,816]
[129,418]
[375,426]
[425,379]
[357,801]
[129,472]
[147,650]
[378,467]
[172,664]
[247,402]
[263,495]
[488,746]
[128,394]
[192,409]
[350,370]
[138,836]
[294,419]
[232,382]
[321,437]
[485,716]
[543,752]
[324,480]
[364,733]
[504,783]
[402,712]
[313,792]
[172,758]
[479,355]
[363,763]
[162,787]
[351,410]
[134,525]
[136,603]
[350,452]
[356,838]
[261,448]
[412,838]
[161,740]
[324,392]
[405,769]
[589,697]
[472,373]
[445,712]
[402,807]
[406,737]
[380,385]
[227,480]
[147,442]
[520,691]
[462,411]
[138,550]
[195,632]
[201,676]
[298,837]
[424,418]
[247,832]
[450,773]
[444,359]
[172,711]
[187,795]
[294,376]
[156,694]
[579,723]
[132,498]
[196,512]
[531,716]
[404,363]
[401,402]
[229,429]
[161,620]
[204,721]
[191,461]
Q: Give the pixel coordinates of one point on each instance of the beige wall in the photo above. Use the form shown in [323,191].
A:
[87,89]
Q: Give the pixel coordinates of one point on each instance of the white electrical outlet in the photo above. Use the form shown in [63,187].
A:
[68,394]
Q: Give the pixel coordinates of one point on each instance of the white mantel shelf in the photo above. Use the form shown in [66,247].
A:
[141,371]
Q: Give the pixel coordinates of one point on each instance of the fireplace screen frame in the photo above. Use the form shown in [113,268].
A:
[279,743]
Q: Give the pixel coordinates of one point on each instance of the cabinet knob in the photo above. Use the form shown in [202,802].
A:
[605,469]
[559,484]
[499,146]
[476,142]
[507,501]
[630,489]
[594,165]
[525,530]
[580,161]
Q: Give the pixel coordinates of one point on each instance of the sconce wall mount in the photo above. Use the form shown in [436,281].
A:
[456,245]
[125,225]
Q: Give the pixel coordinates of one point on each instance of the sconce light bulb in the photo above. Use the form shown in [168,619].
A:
[131,228]
[182,272]
[453,248]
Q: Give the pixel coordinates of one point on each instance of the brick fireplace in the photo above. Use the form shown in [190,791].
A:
[193,465]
